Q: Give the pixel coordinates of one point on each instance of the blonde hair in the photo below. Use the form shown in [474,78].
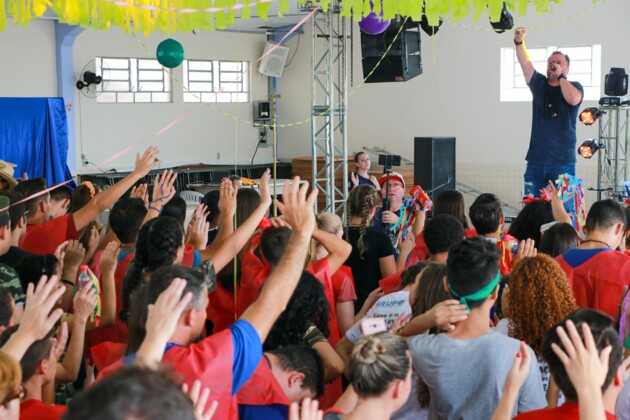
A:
[10,377]
[326,222]
[377,361]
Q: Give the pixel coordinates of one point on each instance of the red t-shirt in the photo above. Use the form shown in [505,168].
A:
[567,411]
[117,333]
[262,388]
[37,410]
[600,281]
[220,309]
[343,285]
[211,360]
[391,283]
[254,272]
[44,238]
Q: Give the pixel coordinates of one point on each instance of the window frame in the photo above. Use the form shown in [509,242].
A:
[512,84]
[138,69]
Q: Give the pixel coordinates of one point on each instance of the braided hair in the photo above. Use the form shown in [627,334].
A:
[158,241]
[361,201]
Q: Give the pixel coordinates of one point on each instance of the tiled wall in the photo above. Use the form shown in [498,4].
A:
[506,180]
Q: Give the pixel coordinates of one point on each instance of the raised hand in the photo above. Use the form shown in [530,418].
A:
[85,301]
[297,208]
[354,179]
[519,34]
[163,187]
[526,249]
[584,365]
[310,410]
[74,254]
[227,198]
[162,319]
[265,194]
[147,161]
[40,300]
[61,340]
[199,397]
[198,232]
[109,259]
[95,238]
[141,192]
[408,244]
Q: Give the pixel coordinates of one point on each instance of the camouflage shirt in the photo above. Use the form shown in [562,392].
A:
[10,280]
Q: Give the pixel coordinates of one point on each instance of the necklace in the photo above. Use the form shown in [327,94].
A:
[597,241]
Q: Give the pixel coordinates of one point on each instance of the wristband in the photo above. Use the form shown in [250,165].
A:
[562,76]
[159,211]
[518,42]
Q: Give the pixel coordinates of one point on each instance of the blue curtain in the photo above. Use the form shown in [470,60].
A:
[34,135]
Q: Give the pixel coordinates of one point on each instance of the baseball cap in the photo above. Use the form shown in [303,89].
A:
[393,176]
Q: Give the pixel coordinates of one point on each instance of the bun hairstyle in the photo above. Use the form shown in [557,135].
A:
[378,361]
[362,199]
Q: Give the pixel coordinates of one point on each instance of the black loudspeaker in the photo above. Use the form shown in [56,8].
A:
[402,62]
[434,164]
[616,82]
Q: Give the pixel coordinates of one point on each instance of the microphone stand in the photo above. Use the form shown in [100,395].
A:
[386,204]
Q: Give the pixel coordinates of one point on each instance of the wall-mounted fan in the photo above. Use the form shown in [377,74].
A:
[90,82]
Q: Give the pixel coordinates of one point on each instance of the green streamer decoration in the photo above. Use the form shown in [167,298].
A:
[170,16]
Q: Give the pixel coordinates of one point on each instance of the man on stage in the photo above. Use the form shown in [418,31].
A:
[556,100]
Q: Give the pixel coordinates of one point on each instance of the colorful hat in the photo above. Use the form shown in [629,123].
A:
[393,176]
[6,173]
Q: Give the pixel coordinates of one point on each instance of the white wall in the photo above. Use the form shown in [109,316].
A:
[458,94]
[104,129]
[28,60]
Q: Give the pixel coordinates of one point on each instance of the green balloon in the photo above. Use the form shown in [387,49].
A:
[170,53]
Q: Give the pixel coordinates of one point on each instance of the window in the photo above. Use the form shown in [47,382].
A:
[585,68]
[216,81]
[129,80]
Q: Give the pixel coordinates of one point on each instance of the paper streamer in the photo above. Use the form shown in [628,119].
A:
[419,201]
[297,25]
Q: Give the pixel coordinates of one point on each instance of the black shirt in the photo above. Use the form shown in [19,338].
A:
[365,268]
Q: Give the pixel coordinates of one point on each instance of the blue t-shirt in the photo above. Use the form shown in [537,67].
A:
[553,137]
[247,353]
[576,256]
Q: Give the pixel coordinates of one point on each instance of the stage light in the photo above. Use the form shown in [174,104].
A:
[590,115]
[505,23]
[588,148]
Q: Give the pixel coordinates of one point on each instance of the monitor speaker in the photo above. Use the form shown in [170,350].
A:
[272,63]
[434,164]
[403,60]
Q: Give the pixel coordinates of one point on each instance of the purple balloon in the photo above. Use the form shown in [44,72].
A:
[373,25]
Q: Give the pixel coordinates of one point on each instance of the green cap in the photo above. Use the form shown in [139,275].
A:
[4,210]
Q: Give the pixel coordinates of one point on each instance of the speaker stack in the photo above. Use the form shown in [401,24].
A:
[434,164]
[402,62]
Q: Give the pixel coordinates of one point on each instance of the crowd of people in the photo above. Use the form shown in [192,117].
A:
[151,316]
[236,314]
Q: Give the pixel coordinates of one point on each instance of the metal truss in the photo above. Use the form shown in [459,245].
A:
[329,98]
[614,140]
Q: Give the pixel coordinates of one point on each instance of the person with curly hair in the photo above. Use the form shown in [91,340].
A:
[537,298]
[305,321]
